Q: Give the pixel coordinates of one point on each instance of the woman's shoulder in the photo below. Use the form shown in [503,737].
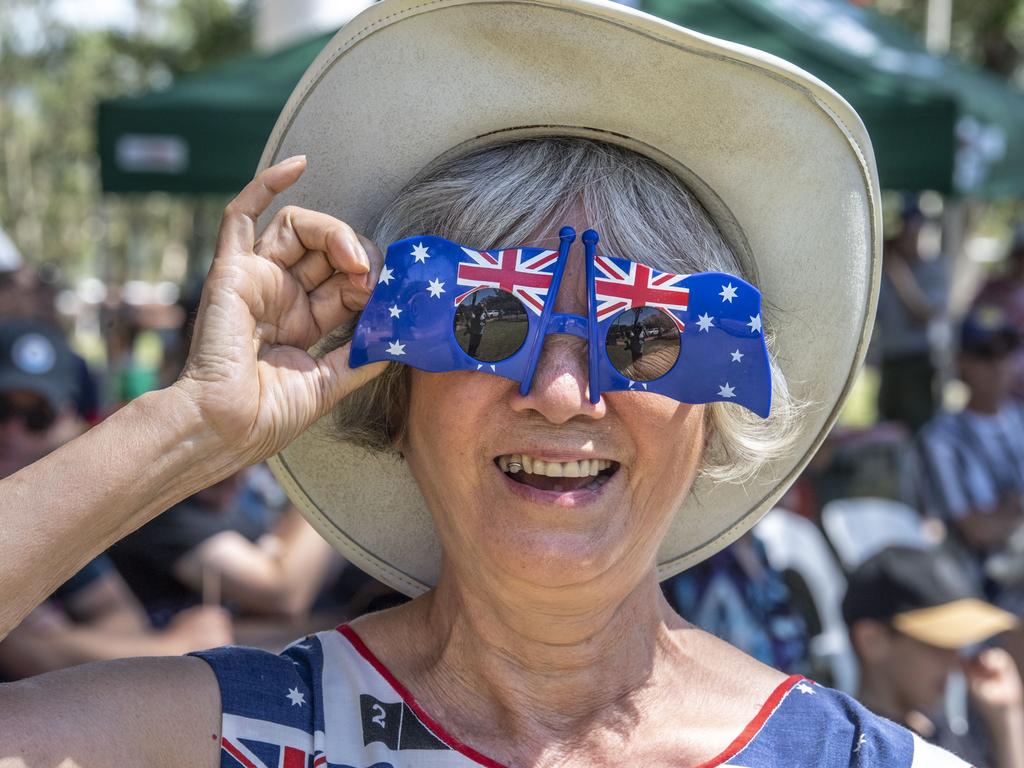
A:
[804,718]
[325,698]
[273,702]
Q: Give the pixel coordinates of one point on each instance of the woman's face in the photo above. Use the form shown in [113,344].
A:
[553,531]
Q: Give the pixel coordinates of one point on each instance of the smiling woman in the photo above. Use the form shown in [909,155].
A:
[530,502]
[647,214]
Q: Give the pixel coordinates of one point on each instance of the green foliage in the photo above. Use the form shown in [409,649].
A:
[988,33]
[51,79]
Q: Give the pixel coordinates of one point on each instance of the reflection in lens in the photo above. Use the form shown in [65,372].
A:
[643,344]
[490,325]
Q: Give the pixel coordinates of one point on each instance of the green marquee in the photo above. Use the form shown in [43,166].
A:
[935,124]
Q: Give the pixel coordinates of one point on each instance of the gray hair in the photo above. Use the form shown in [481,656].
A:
[501,194]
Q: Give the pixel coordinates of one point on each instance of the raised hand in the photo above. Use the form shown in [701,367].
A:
[994,681]
[265,303]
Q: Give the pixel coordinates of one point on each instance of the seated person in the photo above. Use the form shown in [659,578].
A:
[737,596]
[911,612]
[973,460]
[208,549]
[93,616]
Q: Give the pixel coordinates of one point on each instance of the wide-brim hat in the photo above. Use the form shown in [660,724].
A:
[780,161]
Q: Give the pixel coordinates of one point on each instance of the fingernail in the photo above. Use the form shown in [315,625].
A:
[293,159]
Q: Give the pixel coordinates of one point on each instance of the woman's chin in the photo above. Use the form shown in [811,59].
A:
[550,559]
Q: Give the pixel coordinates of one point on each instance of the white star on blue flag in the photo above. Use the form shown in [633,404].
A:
[436,288]
[419,253]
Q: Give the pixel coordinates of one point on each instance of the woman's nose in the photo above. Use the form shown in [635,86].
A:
[559,389]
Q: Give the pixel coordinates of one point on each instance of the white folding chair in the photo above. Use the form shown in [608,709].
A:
[794,543]
[861,527]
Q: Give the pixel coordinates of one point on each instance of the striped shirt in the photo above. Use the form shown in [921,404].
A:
[970,460]
[327,701]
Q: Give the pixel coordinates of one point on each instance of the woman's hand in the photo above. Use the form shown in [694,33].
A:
[266,301]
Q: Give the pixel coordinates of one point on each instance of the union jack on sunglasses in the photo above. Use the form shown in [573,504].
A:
[440,306]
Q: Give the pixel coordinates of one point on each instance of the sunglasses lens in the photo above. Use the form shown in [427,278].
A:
[36,417]
[490,325]
[642,344]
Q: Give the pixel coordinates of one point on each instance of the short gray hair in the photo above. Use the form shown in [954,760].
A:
[501,194]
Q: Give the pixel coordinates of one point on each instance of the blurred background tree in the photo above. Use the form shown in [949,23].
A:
[987,33]
[52,75]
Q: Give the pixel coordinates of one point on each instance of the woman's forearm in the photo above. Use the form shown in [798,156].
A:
[63,510]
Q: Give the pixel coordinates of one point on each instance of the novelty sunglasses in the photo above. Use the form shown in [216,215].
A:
[440,306]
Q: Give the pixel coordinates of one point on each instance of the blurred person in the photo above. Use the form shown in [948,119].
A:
[127,376]
[737,596]
[30,294]
[38,385]
[94,615]
[912,296]
[210,544]
[914,617]
[972,461]
[1006,290]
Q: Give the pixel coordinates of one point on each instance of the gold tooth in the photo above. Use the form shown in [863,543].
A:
[580,468]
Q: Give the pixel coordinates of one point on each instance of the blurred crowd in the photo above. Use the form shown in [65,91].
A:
[893,569]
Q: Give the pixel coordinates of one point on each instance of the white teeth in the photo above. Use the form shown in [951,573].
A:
[583,468]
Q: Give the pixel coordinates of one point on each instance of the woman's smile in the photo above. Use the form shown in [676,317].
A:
[547,480]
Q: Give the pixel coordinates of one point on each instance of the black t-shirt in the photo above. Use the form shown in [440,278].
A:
[146,557]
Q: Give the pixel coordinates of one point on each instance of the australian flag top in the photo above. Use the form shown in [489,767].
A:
[409,318]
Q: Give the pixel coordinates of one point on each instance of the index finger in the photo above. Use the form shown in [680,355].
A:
[238,227]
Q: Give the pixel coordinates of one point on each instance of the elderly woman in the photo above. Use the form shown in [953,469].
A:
[531,495]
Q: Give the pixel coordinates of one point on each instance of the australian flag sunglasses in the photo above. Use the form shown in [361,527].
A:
[440,306]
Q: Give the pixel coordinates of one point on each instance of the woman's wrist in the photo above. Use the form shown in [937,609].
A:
[191,455]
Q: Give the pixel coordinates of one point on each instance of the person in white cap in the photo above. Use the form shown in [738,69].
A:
[531,501]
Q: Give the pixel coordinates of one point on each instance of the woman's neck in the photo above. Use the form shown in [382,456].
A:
[569,653]
[547,665]
[566,676]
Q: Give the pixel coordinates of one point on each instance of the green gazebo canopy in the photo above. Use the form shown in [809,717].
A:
[935,124]
[205,133]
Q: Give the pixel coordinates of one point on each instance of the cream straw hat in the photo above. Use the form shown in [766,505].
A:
[780,161]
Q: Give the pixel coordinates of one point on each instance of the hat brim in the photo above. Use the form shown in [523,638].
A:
[781,162]
[955,625]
